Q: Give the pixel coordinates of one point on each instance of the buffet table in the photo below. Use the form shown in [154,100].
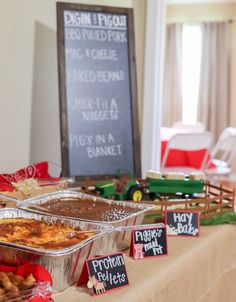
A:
[197,269]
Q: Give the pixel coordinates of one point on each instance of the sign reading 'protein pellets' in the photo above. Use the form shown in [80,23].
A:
[148,242]
[105,273]
[98,98]
[183,223]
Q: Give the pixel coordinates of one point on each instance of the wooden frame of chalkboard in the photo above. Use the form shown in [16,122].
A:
[99,38]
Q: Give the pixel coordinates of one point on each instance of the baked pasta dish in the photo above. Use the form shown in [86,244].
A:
[39,234]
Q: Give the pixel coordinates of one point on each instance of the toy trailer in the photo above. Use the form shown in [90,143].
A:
[174,184]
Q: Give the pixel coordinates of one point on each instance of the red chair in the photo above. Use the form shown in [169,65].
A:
[195,148]
[223,153]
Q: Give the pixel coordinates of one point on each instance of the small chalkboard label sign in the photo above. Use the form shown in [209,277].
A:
[104,274]
[183,223]
[148,242]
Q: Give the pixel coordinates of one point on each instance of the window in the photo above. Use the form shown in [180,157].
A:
[191,61]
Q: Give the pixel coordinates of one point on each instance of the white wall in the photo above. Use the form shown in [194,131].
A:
[153,85]
[29,111]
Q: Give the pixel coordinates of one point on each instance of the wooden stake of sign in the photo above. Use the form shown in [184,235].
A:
[104,274]
[149,242]
[183,223]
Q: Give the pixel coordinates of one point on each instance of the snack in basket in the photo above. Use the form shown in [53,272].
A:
[26,185]
[40,234]
[30,181]
[11,284]
[89,209]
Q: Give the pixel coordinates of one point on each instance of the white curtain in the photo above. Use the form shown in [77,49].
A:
[213,102]
[172,103]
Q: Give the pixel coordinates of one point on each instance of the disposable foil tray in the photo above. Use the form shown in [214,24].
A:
[64,265]
[119,240]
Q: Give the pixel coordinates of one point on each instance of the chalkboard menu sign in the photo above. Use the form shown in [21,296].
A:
[98,93]
[148,242]
[182,223]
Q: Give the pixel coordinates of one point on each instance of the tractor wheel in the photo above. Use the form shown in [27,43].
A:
[135,193]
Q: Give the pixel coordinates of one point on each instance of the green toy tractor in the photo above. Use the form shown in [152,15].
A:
[121,188]
[157,185]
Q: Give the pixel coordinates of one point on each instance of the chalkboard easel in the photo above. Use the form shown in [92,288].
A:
[97,91]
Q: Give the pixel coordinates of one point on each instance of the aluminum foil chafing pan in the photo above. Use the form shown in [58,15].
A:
[117,240]
[64,265]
